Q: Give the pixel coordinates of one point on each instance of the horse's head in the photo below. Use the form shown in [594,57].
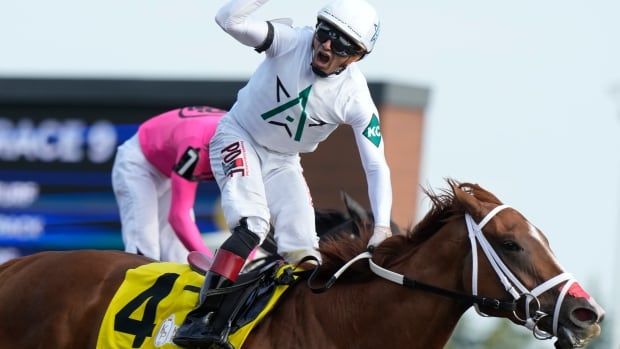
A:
[510,249]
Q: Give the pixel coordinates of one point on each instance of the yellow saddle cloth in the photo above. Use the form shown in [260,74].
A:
[153,301]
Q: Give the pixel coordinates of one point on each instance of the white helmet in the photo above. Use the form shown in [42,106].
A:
[355,18]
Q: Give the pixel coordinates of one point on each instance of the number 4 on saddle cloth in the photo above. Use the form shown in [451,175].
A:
[153,300]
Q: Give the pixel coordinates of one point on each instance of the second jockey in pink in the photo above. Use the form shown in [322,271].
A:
[155,177]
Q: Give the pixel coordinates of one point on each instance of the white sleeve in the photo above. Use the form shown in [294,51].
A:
[364,119]
[235,19]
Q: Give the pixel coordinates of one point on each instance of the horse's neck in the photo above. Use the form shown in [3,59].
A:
[380,313]
[440,261]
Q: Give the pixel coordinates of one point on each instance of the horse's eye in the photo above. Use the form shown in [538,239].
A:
[510,245]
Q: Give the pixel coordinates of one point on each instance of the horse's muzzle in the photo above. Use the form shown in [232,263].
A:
[583,323]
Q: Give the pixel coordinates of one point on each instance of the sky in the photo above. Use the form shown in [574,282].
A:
[525,95]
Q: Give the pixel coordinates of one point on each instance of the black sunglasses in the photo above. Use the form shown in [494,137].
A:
[341,45]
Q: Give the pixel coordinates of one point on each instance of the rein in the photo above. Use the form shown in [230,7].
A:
[402,280]
[510,282]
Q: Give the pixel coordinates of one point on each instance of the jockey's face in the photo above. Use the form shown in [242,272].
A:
[325,60]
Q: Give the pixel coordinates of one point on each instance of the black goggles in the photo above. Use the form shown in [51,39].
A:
[341,45]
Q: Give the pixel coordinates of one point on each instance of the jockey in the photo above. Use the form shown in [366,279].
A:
[307,85]
[155,177]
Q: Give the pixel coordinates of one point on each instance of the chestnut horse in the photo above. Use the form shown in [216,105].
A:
[410,292]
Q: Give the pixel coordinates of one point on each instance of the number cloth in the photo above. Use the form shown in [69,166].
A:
[149,306]
[152,302]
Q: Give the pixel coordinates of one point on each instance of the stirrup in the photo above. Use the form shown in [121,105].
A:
[198,334]
[197,330]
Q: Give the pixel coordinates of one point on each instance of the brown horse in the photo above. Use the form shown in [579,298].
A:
[57,300]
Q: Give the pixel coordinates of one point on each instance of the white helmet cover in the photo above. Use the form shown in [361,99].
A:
[355,18]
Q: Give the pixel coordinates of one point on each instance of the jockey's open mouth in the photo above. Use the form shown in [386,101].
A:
[322,58]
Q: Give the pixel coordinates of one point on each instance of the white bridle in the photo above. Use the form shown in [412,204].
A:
[511,283]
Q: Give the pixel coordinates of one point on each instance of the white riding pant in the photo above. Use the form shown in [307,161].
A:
[143,198]
[266,187]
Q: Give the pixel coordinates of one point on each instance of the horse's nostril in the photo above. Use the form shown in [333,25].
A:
[584,315]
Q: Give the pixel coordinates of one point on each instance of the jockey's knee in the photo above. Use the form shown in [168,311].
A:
[256,225]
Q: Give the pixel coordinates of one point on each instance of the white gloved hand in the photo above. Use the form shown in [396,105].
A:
[379,234]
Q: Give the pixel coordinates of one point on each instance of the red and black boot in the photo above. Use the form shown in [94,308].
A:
[200,330]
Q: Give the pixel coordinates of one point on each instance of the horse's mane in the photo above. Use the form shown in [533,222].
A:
[341,248]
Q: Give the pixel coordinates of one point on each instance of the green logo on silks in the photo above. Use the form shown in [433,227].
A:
[373,131]
[302,100]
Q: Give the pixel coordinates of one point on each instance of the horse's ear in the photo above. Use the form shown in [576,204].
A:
[356,212]
[467,199]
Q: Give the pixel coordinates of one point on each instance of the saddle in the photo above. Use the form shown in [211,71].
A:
[250,299]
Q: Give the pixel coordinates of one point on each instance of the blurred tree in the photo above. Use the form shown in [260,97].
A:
[508,336]
[462,337]
[501,334]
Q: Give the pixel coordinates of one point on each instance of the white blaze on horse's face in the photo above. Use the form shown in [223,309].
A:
[535,233]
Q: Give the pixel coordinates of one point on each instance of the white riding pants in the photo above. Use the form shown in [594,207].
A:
[266,187]
[143,198]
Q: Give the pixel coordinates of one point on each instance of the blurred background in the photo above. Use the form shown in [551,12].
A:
[522,97]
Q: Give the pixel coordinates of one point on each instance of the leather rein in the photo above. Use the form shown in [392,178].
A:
[511,283]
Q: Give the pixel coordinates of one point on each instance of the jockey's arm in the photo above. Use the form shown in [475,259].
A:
[272,37]
[235,19]
[374,164]
[183,196]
